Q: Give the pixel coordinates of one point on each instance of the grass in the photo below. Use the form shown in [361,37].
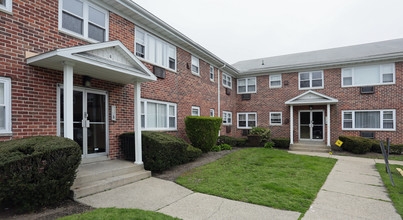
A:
[119,214]
[369,155]
[262,176]
[396,192]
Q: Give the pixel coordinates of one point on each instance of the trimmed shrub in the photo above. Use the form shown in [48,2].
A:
[394,148]
[161,151]
[225,147]
[37,171]
[241,142]
[356,145]
[262,132]
[227,140]
[281,142]
[216,148]
[269,145]
[202,131]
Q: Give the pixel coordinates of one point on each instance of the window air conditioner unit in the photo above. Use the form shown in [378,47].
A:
[227,91]
[246,96]
[228,129]
[245,132]
[159,72]
[367,90]
[368,134]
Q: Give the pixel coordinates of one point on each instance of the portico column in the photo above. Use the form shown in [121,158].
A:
[291,124]
[137,123]
[328,125]
[68,99]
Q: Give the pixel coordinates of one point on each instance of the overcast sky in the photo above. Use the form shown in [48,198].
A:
[238,30]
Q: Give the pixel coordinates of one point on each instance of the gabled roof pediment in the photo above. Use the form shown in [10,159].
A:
[110,61]
[311,98]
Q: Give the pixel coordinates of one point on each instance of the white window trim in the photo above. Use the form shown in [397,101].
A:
[228,113]
[198,110]
[281,81]
[310,80]
[7,103]
[211,112]
[8,8]
[211,79]
[85,22]
[247,119]
[374,84]
[146,35]
[368,129]
[160,102]
[281,118]
[198,65]
[228,76]
[246,84]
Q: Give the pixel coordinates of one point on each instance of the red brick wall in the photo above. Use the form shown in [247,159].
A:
[270,100]
[228,103]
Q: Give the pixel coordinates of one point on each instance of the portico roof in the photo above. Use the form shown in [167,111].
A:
[311,98]
[110,61]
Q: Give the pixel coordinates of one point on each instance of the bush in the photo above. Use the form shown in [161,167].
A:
[356,145]
[394,148]
[161,151]
[202,131]
[241,142]
[262,132]
[225,147]
[216,148]
[269,145]
[281,142]
[227,140]
[37,171]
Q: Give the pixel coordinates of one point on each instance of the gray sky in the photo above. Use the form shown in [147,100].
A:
[238,30]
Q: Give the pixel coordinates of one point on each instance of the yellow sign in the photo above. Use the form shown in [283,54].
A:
[339,143]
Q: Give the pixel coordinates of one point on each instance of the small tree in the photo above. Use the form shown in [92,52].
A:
[202,131]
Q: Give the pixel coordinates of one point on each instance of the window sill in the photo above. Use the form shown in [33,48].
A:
[6,134]
[276,124]
[226,124]
[158,129]
[275,87]
[72,34]
[6,11]
[311,88]
[146,61]
[367,129]
[383,84]
[227,87]
[241,93]
[211,80]
[244,128]
[196,74]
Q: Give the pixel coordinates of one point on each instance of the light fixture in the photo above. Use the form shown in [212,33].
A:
[86,81]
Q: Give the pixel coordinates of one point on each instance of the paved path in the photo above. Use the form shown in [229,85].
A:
[172,199]
[353,190]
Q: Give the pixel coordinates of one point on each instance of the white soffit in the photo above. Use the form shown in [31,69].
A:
[311,98]
[110,61]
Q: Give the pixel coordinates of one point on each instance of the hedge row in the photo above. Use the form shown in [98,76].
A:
[160,150]
[202,131]
[361,145]
[233,142]
[37,171]
[281,142]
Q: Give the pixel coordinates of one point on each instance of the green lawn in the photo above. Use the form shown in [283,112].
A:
[262,176]
[119,214]
[370,155]
[396,192]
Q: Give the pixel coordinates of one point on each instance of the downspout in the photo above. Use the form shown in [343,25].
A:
[218,85]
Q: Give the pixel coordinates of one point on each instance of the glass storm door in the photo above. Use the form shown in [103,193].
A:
[311,125]
[89,120]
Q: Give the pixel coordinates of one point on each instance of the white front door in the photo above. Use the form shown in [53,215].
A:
[311,125]
[90,120]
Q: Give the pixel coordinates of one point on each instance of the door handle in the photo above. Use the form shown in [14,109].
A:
[85,123]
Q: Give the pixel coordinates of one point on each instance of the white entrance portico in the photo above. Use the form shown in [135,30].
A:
[311,124]
[109,61]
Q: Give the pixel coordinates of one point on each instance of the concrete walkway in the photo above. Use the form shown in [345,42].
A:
[172,199]
[353,190]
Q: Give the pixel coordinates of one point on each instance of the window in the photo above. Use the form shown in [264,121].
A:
[155,50]
[5,105]
[311,80]
[369,120]
[247,120]
[156,115]
[247,85]
[227,118]
[82,19]
[275,81]
[226,80]
[195,65]
[211,73]
[195,111]
[276,118]
[368,75]
[6,5]
[211,112]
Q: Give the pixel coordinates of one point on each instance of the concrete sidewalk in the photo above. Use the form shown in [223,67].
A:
[172,199]
[353,190]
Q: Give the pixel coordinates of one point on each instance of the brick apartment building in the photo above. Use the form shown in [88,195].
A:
[91,70]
